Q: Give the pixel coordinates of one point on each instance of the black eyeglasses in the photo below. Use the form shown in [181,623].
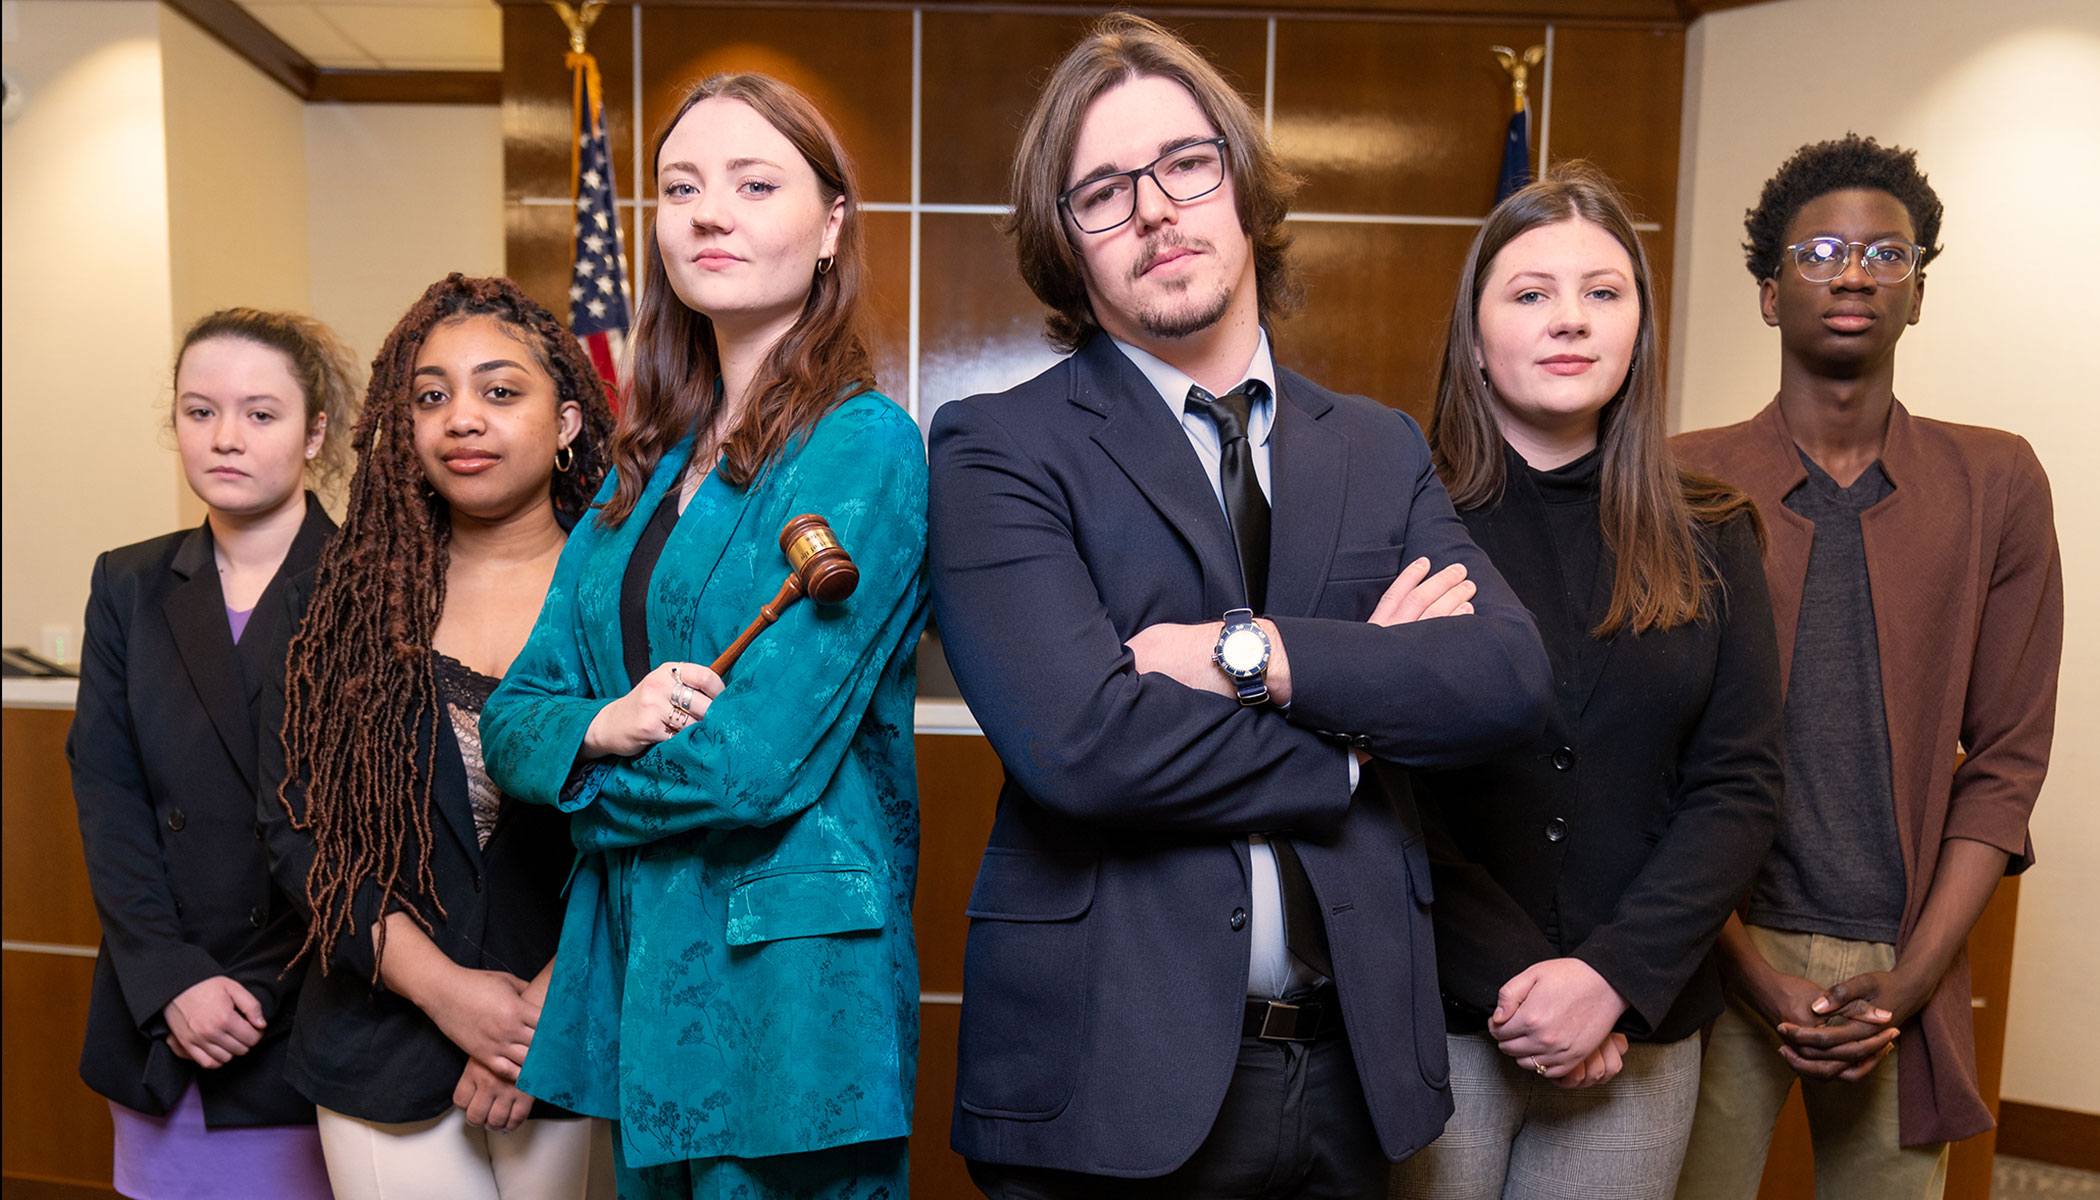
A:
[1184,173]
[1822,259]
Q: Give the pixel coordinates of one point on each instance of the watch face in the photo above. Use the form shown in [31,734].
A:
[1242,652]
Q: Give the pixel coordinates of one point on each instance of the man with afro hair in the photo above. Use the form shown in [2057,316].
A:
[1919,603]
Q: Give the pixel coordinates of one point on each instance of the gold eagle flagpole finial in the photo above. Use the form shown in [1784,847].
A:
[1519,67]
[578,17]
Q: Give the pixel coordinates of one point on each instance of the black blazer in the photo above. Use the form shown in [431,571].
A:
[367,1052]
[1106,966]
[163,752]
[1628,830]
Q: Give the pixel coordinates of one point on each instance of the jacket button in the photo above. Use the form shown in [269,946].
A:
[255,917]
[1239,919]
[1556,829]
[178,908]
[477,881]
[1564,758]
[262,831]
[176,820]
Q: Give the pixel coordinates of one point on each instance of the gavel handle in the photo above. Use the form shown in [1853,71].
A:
[790,592]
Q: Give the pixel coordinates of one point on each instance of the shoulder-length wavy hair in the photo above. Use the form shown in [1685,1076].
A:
[1119,48]
[319,361]
[1649,504]
[361,703]
[822,360]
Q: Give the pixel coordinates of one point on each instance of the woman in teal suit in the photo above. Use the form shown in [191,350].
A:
[736,985]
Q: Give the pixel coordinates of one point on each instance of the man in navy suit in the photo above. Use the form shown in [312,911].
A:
[1199,959]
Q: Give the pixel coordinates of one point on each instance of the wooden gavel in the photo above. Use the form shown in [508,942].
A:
[822,570]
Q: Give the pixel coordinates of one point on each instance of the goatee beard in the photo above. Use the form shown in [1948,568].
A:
[1161,323]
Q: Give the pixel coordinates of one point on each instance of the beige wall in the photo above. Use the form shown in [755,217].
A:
[1999,100]
[85,330]
[398,195]
[236,187]
[154,177]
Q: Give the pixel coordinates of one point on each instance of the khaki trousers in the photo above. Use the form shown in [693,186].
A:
[1744,1083]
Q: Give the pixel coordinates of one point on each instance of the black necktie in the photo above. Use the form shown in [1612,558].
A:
[1248,508]
[1245,505]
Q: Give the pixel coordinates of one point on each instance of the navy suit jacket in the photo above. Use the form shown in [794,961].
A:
[1107,958]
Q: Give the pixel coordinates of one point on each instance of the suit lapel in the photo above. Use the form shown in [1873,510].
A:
[1771,473]
[261,650]
[1142,437]
[1308,479]
[196,614]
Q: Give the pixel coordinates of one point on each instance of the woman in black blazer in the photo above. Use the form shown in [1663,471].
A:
[191,1003]
[436,903]
[1581,881]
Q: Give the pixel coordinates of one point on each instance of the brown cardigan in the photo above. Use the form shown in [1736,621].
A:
[1969,614]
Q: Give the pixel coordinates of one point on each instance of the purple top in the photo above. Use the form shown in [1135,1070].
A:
[237,619]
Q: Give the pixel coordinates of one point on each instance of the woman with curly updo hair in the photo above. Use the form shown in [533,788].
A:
[193,997]
[434,901]
[737,984]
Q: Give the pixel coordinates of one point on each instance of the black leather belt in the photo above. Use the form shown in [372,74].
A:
[1308,1019]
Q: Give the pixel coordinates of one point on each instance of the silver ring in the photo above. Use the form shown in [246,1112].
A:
[684,699]
[674,675]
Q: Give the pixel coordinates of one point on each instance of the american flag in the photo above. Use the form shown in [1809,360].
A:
[599,299]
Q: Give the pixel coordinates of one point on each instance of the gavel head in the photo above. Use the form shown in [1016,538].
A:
[827,571]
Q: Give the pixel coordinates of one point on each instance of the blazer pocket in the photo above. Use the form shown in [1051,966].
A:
[1432,1053]
[793,902]
[1364,562]
[1025,978]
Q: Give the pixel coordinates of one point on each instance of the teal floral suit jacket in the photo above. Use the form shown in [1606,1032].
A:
[737,975]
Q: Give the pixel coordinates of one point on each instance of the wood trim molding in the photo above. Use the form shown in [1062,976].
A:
[251,39]
[407,87]
[2052,1135]
[241,33]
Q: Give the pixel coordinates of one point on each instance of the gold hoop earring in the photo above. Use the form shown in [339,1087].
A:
[564,458]
[824,264]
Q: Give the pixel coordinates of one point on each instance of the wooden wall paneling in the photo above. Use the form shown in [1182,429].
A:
[43,873]
[855,64]
[1394,117]
[976,100]
[15,1188]
[937,1172]
[887,285]
[959,781]
[539,248]
[538,102]
[1617,101]
[980,328]
[57,1130]
[1377,299]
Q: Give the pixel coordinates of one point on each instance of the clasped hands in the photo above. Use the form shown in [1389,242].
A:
[1555,1018]
[1183,652]
[1840,1033]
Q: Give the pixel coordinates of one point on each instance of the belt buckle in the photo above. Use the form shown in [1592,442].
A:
[1269,1022]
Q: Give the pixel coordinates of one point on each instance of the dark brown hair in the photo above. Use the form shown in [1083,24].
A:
[361,702]
[320,363]
[818,363]
[1648,504]
[1122,47]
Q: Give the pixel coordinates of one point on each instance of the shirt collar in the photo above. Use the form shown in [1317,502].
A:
[1173,386]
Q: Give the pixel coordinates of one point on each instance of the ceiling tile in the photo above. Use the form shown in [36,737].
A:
[311,34]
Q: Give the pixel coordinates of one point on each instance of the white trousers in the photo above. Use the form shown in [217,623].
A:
[448,1159]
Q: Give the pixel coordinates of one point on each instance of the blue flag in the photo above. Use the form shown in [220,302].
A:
[1516,155]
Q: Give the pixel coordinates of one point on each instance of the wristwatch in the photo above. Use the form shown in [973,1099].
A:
[1242,653]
